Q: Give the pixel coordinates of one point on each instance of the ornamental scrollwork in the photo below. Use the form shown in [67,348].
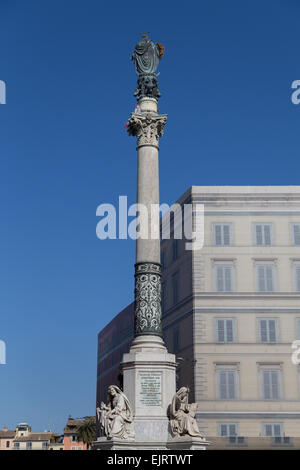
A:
[148,299]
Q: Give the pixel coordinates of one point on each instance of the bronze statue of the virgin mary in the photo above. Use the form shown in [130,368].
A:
[146,57]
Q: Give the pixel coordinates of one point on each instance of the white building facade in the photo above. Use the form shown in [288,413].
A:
[231,312]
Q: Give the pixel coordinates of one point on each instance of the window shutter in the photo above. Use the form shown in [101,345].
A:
[297,271]
[218,234]
[231,384]
[223,384]
[229,331]
[263,331]
[272,331]
[221,331]
[228,278]
[232,430]
[261,279]
[226,234]
[267,235]
[266,385]
[277,430]
[259,238]
[268,430]
[275,384]
[220,281]
[269,278]
[223,429]
[297,234]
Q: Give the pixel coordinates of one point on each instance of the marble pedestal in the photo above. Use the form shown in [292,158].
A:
[187,443]
[150,383]
[149,379]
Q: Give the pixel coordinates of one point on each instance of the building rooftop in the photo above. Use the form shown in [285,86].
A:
[72,425]
[7,433]
[35,437]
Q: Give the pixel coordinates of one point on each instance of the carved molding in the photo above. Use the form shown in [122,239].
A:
[147,127]
[147,294]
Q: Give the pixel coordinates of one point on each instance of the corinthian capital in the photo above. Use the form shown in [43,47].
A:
[147,127]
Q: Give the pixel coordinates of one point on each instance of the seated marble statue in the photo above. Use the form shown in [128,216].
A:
[116,417]
[182,415]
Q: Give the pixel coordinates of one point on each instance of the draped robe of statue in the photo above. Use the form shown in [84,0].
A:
[146,56]
[182,415]
[116,417]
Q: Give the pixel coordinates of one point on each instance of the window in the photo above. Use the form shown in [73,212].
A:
[175,249]
[73,438]
[222,234]
[267,330]
[16,445]
[273,430]
[227,384]
[45,445]
[228,429]
[265,278]
[224,277]
[28,445]
[296,234]
[7,445]
[297,277]
[225,330]
[263,234]
[175,288]
[270,384]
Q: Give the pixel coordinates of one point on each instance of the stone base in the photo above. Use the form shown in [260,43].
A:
[122,444]
[178,443]
[149,384]
[188,443]
[151,429]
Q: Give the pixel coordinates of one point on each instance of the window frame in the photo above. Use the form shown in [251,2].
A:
[259,264]
[273,425]
[224,264]
[233,320]
[222,224]
[227,425]
[269,368]
[228,368]
[296,266]
[267,319]
[263,224]
[293,238]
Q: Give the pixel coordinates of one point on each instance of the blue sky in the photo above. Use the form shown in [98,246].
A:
[225,80]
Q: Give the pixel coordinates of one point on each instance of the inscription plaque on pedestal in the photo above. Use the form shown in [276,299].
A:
[150,391]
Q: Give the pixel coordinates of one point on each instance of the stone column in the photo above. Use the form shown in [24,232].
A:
[147,125]
[148,368]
